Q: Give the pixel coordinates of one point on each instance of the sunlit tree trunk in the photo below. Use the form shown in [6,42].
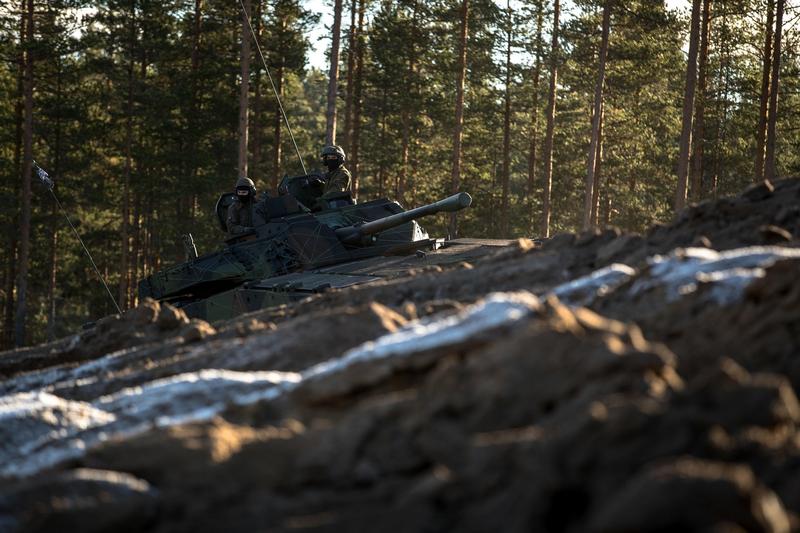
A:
[349,89]
[766,69]
[359,77]
[698,137]
[688,107]
[408,101]
[244,90]
[276,154]
[551,121]
[537,70]
[506,130]
[333,75]
[455,178]
[769,165]
[592,162]
[598,165]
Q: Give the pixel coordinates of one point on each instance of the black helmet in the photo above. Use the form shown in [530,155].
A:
[245,189]
[333,156]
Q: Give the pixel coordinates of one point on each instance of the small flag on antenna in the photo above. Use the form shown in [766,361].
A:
[44,177]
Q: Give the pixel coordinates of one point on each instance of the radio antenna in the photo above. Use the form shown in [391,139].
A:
[48,183]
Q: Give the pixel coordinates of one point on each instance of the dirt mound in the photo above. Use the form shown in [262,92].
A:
[602,382]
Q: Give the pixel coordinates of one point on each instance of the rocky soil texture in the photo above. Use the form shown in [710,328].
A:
[600,382]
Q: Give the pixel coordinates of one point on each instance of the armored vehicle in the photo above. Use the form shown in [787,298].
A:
[299,247]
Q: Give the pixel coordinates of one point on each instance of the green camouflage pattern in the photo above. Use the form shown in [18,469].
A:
[293,253]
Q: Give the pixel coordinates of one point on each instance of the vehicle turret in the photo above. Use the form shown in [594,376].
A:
[288,238]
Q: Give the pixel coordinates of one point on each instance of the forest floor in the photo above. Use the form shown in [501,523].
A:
[601,382]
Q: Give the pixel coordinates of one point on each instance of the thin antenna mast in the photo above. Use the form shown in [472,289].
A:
[48,182]
[272,83]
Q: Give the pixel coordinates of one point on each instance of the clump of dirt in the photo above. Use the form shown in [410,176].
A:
[150,322]
[433,402]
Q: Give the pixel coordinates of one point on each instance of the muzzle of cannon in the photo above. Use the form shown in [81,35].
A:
[355,234]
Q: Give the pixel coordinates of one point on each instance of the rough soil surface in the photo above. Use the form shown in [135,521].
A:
[600,382]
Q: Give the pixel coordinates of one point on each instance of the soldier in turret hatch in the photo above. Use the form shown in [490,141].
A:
[337,179]
[240,212]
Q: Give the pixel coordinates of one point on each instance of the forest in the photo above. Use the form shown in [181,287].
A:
[555,115]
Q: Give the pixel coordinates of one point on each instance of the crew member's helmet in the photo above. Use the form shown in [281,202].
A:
[333,156]
[245,189]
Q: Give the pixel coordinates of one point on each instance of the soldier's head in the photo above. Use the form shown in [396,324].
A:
[245,189]
[333,157]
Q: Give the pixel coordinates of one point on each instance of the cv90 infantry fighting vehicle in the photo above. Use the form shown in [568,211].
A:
[293,252]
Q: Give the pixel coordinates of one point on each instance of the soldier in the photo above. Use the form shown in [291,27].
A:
[240,212]
[337,179]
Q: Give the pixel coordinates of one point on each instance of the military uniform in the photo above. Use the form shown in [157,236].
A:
[240,217]
[240,212]
[336,181]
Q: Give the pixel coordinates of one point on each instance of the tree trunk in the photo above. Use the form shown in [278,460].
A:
[53,266]
[333,75]
[537,70]
[408,101]
[255,124]
[382,138]
[506,130]
[761,130]
[592,162]
[136,249]
[8,321]
[357,99]
[276,154]
[455,180]
[597,169]
[125,231]
[551,118]
[244,89]
[27,169]
[700,105]
[770,165]
[351,65]
[688,106]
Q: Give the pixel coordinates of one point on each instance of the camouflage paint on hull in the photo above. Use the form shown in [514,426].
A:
[279,290]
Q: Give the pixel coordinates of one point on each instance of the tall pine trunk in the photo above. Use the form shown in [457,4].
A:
[27,169]
[506,130]
[136,246]
[351,65]
[255,122]
[769,164]
[124,267]
[359,79]
[688,107]
[699,134]
[455,179]
[53,264]
[537,70]
[408,101]
[333,75]
[244,89]
[544,229]
[276,153]
[592,162]
[761,129]
[11,266]
[598,164]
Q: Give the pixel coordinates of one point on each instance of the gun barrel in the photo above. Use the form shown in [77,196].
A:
[450,204]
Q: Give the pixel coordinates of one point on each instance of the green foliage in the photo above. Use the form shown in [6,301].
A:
[149,90]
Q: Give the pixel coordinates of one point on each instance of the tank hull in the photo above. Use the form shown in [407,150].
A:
[285,289]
